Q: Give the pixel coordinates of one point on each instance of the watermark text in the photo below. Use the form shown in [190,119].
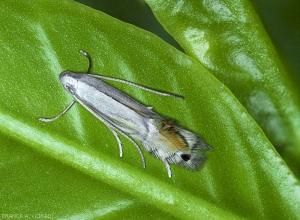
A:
[26,216]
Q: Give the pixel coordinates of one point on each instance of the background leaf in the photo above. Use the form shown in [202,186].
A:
[70,168]
[243,59]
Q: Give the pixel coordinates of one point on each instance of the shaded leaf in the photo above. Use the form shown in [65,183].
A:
[228,39]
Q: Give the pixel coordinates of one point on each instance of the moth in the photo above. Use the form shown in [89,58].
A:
[123,115]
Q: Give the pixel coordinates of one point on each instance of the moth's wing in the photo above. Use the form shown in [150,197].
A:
[184,147]
[120,96]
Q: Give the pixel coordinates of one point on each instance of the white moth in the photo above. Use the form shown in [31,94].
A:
[124,115]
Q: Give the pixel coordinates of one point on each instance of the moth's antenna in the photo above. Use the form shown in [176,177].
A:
[137,85]
[89,58]
[124,81]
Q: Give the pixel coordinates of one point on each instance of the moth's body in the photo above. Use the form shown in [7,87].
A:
[158,135]
[124,115]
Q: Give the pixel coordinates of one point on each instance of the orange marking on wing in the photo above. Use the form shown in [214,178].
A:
[166,128]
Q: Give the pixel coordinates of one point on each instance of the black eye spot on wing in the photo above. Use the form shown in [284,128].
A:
[186,157]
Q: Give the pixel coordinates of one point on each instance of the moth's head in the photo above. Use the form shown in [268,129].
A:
[69,81]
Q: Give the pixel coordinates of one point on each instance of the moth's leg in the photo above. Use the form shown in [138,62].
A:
[136,146]
[168,168]
[60,114]
[115,129]
[118,140]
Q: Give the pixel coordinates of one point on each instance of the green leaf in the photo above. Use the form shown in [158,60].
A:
[228,39]
[70,168]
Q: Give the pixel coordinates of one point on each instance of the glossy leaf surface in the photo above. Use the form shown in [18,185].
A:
[70,168]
